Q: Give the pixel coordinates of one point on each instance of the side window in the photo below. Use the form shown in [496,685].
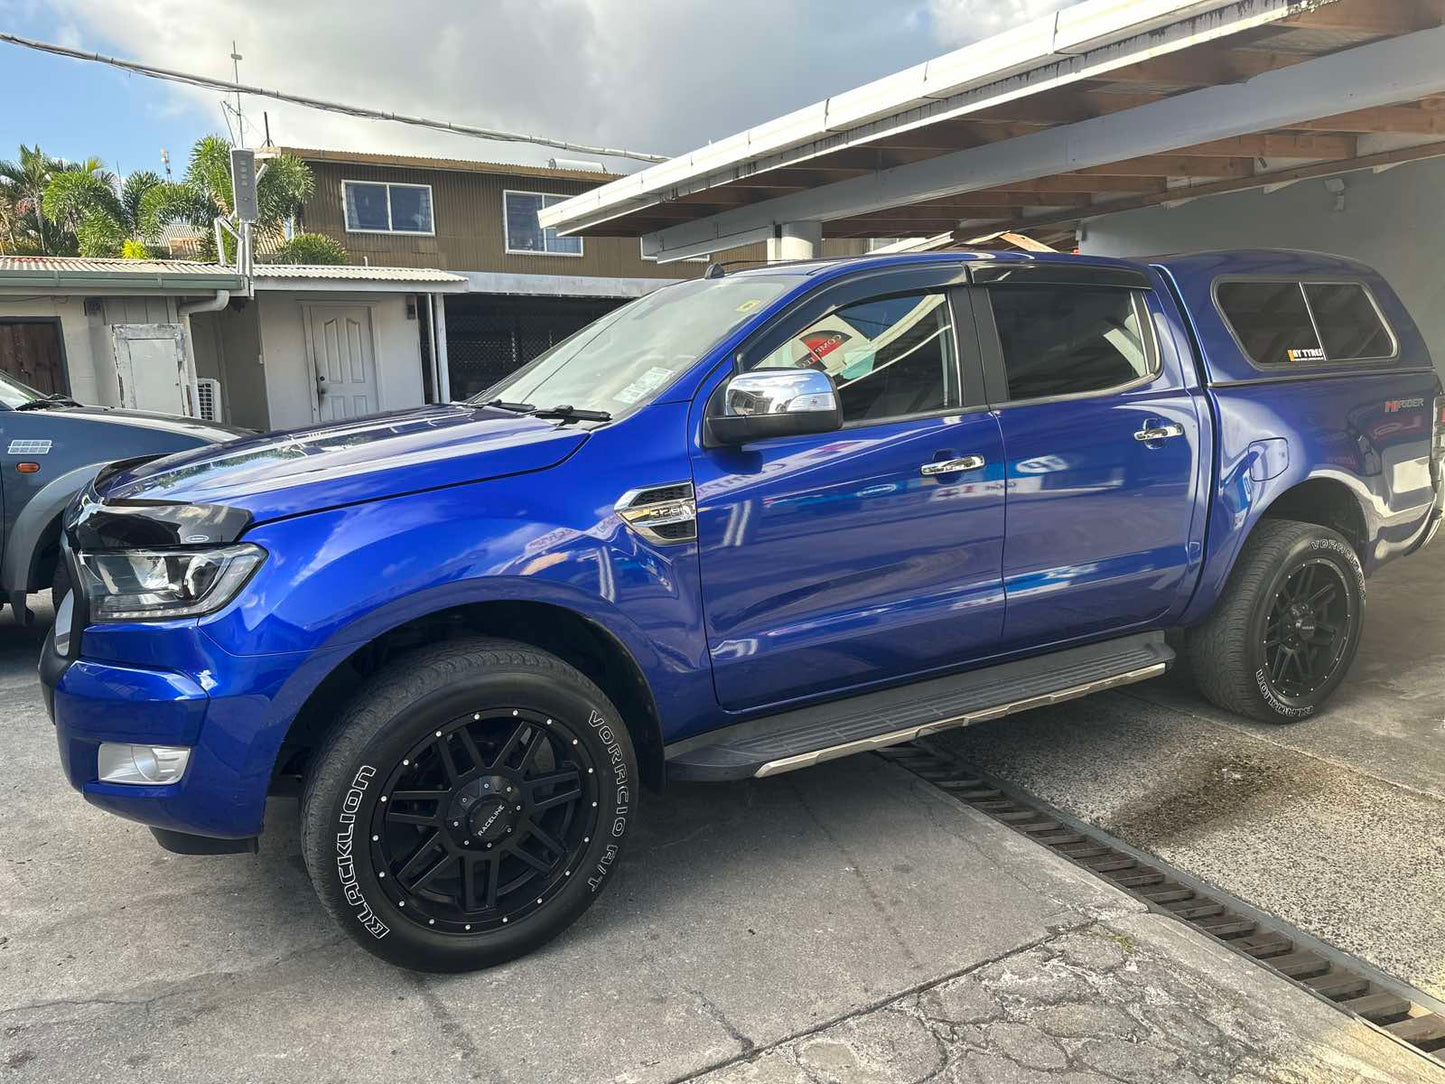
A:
[1066,340]
[1271,321]
[889,357]
[1349,323]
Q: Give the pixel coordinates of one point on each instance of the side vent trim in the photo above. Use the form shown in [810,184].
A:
[664,515]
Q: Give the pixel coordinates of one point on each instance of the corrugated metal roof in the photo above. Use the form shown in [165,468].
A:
[78,274]
[461,165]
[355,273]
[47,265]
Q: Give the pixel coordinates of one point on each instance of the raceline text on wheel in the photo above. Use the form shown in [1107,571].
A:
[470,804]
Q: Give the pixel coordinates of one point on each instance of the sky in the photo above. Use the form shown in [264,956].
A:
[662,76]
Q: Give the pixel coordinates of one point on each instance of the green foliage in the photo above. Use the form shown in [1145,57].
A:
[26,228]
[313,248]
[51,207]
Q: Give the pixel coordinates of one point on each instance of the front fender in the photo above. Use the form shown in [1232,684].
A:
[37,525]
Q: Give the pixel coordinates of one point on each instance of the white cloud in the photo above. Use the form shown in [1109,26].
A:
[659,76]
[959,22]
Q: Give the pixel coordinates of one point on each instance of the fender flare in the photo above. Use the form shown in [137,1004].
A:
[33,524]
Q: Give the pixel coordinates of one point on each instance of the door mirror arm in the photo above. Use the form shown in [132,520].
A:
[768,403]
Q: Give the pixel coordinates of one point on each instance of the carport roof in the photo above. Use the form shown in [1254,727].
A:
[1106,106]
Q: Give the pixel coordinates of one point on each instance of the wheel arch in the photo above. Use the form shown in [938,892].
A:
[579,640]
[1325,501]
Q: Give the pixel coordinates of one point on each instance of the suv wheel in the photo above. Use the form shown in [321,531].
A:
[468,806]
[1282,637]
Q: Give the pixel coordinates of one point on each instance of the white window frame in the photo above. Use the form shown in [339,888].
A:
[389,185]
[507,229]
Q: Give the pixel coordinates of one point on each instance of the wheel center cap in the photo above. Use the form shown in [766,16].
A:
[489,819]
[1304,620]
[485,809]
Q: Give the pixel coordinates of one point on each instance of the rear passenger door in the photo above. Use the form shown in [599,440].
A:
[1101,446]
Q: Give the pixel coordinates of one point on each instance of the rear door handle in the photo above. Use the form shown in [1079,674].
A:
[1159,432]
[952,466]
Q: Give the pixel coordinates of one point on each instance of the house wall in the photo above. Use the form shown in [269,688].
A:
[1393,221]
[89,355]
[467,212]
[290,383]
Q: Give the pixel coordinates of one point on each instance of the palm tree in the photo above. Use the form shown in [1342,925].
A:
[27,229]
[205,195]
[105,222]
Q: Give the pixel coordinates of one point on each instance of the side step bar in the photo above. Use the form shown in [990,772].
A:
[808,736]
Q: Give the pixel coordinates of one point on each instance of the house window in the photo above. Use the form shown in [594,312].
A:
[525,234]
[372,207]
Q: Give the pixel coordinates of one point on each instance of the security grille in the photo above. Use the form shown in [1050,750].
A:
[491,336]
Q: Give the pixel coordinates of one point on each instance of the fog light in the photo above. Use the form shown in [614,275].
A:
[147,765]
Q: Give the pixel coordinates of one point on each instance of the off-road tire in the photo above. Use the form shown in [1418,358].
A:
[399,709]
[1227,652]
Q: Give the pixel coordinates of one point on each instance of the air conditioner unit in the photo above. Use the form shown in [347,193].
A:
[208,398]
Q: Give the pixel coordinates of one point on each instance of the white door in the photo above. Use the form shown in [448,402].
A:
[343,360]
[150,367]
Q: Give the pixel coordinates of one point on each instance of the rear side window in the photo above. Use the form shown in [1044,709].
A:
[1292,323]
[1068,340]
[1349,323]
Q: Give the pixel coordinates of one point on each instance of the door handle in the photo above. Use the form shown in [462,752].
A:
[952,466]
[1159,432]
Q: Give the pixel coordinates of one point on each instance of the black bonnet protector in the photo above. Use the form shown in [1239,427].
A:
[92,524]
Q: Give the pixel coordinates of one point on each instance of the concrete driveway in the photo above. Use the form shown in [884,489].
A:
[847,923]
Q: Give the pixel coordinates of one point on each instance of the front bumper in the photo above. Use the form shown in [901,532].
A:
[233,711]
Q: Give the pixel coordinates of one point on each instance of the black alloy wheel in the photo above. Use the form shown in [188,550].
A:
[1308,629]
[1284,631]
[468,805]
[484,819]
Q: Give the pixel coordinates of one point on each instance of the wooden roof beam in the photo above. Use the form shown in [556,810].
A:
[1201,67]
[1278,145]
[1387,118]
[1008,199]
[1373,17]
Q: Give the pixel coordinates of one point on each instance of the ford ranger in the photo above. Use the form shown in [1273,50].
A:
[739,526]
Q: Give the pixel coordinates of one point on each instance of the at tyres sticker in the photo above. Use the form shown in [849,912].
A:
[623,803]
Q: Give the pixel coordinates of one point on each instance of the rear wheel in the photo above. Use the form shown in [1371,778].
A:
[1282,637]
[469,805]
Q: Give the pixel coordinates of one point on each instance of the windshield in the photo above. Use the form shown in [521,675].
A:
[13,393]
[630,355]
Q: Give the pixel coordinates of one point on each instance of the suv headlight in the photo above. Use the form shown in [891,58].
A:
[154,585]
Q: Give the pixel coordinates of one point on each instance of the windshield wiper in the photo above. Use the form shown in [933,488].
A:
[502,404]
[55,400]
[573,414]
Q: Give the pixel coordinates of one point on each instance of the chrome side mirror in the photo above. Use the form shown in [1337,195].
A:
[774,403]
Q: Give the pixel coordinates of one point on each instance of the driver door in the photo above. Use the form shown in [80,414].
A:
[835,560]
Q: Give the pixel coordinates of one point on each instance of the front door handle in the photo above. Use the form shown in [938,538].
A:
[1159,432]
[952,466]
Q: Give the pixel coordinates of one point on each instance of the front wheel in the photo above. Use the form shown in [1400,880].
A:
[1282,636]
[468,806]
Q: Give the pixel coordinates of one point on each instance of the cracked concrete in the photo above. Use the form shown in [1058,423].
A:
[1133,1000]
[846,923]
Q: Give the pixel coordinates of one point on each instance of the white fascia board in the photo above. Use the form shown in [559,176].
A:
[1393,70]
[1096,36]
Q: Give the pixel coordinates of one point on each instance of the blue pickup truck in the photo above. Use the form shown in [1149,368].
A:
[737,527]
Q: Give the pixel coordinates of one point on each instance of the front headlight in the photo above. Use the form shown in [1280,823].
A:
[153,585]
